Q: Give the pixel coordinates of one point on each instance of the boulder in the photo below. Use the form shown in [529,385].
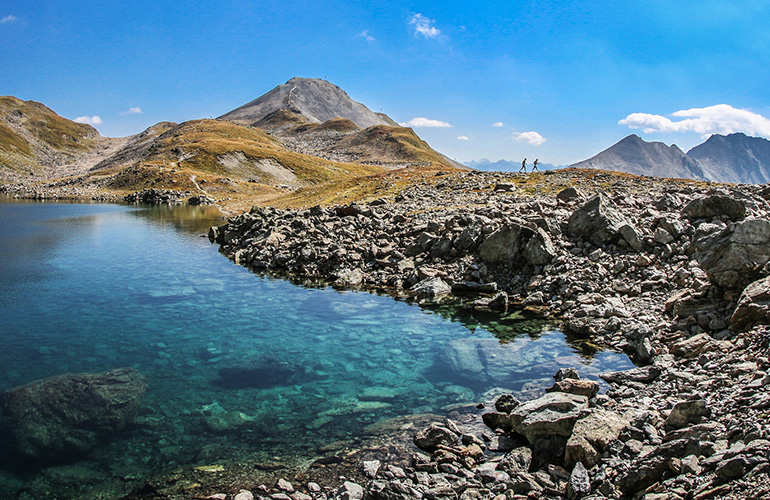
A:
[753,306]
[697,345]
[518,460]
[69,414]
[587,388]
[597,221]
[642,374]
[349,277]
[686,413]
[432,287]
[591,436]
[551,415]
[539,250]
[735,256]
[432,436]
[715,206]
[570,194]
[503,245]
[579,484]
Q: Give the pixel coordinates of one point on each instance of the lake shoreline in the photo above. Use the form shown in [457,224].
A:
[656,268]
[670,272]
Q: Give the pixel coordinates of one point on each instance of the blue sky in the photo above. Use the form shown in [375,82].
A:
[558,80]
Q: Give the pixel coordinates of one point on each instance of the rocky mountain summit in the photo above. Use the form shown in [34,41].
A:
[636,156]
[315,100]
[731,158]
[734,158]
[673,273]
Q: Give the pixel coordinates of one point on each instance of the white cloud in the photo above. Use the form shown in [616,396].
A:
[425,122]
[423,26]
[498,124]
[132,111]
[8,19]
[366,36]
[531,137]
[91,120]
[719,119]
[463,138]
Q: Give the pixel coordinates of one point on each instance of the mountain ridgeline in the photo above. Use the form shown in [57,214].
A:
[300,135]
[732,158]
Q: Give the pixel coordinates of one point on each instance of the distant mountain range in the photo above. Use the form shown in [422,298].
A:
[732,158]
[508,166]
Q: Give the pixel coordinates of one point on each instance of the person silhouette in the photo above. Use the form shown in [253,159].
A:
[523,166]
[534,166]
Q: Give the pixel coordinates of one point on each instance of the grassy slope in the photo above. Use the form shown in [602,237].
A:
[201,144]
[395,144]
[43,132]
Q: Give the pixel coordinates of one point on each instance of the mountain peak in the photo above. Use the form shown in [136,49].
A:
[314,99]
[634,155]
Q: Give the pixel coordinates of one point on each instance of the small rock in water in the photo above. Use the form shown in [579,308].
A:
[244,495]
[371,467]
[285,485]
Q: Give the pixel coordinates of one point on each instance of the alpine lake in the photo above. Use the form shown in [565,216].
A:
[240,367]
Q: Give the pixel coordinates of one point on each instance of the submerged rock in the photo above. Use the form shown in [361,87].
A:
[69,414]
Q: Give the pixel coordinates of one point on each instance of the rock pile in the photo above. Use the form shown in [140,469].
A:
[156,196]
[673,273]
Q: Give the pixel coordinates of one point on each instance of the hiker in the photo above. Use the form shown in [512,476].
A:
[523,166]
[534,166]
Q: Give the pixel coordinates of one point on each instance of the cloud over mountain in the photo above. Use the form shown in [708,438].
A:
[718,119]
[90,120]
[425,122]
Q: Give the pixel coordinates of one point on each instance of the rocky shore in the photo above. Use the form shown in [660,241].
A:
[673,273]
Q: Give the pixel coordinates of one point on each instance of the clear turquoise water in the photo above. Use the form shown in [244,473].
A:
[239,366]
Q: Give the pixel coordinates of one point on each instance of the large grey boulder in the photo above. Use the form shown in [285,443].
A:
[504,245]
[753,306]
[551,415]
[514,241]
[69,414]
[597,221]
[434,435]
[539,250]
[715,206]
[735,256]
[432,287]
[591,435]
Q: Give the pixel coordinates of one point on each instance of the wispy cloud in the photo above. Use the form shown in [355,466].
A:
[91,120]
[425,122]
[530,137]
[424,26]
[132,111]
[497,124]
[366,36]
[718,119]
[8,19]
[463,138]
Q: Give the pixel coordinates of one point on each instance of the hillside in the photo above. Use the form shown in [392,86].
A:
[636,156]
[309,137]
[734,158]
[35,141]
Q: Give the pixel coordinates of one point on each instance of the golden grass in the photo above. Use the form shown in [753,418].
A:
[203,142]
